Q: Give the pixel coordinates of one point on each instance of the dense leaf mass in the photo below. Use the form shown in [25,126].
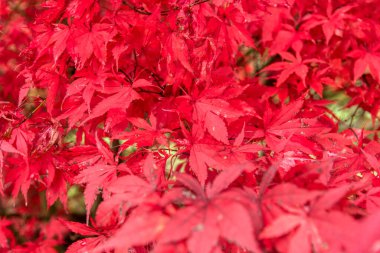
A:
[201,126]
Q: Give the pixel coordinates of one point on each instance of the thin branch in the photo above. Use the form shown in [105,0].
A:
[198,2]
[127,77]
[31,113]
[353,115]
[152,92]
[136,9]
[164,12]
[136,63]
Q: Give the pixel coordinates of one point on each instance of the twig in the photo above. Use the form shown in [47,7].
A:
[198,2]
[164,12]
[136,9]
[31,113]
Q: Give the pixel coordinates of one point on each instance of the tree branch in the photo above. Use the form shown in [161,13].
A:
[136,9]
[164,12]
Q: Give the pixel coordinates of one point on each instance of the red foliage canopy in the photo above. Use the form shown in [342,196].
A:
[199,126]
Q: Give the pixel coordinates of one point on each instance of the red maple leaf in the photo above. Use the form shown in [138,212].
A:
[206,220]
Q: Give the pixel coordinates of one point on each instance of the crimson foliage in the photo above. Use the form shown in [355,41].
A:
[189,125]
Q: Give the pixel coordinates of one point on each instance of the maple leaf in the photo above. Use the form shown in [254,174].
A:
[85,245]
[57,189]
[366,59]
[216,127]
[59,40]
[77,10]
[145,134]
[311,226]
[86,85]
[97,239]
[203,156]
[217,106]
[88,42]
[286,129]
[131,188]
[141,228]
[206,218]
[292,65]
[333,22]
[181,52]
[95,177]
[122,99]
[284,39]
[79,228]
[8,148]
